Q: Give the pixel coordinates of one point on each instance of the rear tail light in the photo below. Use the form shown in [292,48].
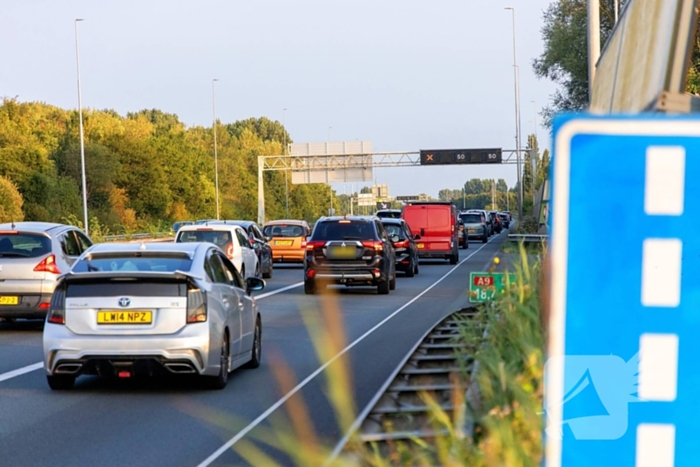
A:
[403,244]
[57,307]
[376,272]
[196,306]
[303,244]
[48,265]
[313,244]
[229,250]
[44,306]
[376,245]
[311,273]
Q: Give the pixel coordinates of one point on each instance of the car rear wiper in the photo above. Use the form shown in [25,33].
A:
[350,237]
[13,254]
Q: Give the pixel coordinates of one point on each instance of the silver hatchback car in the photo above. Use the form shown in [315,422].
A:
[32,256]
[157,308]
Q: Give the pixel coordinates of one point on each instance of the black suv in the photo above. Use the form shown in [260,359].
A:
[351,251]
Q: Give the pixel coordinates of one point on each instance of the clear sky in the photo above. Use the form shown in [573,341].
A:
[404,75]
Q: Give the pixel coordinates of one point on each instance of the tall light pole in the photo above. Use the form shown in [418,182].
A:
[536,148]
[82,136]
[330,187]
[329,133]
[286,173]
[216,154]
[517,119]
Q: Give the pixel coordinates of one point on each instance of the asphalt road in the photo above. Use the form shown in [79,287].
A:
[175,422]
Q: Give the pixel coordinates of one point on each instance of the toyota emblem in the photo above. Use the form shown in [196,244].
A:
[124,302]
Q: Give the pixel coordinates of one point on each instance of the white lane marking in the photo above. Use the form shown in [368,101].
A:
[39,365]
[656,445]
[661,272]
[274,292]
[664,181]
[658,367]
[21,371]
[320,369]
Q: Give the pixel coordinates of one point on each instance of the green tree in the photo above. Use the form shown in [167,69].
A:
[10,201]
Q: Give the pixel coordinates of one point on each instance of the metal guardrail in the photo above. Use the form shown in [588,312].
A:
[528,238]
[138,236]
[399,412]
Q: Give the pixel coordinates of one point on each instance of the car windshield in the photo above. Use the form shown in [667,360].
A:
[471,218]
[343,230]
[219,238]
[129,262]
[24,245]
[395,230]
[283,231]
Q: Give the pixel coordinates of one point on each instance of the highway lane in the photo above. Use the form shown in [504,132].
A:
[175,422]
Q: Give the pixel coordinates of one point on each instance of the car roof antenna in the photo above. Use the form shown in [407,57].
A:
[143,245]
[12,226]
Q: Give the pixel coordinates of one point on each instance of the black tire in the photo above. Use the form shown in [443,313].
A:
[383,288]
[268,274]
[416,270]
[484,239]
[60,382]
[219,381]
[310,287]
[392,282]
[256,351]
[411,271]
[453,259]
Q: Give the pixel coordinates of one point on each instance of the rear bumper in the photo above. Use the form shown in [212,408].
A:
[288,256]
[28,307]
[370,274]
[187,351]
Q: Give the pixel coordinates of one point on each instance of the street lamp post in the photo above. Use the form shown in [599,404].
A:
[286,173]
[82,137]
[517,119]
[536,148]
[216,155]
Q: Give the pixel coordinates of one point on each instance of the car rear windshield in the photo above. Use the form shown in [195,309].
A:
[343,230]
[389,214]
[24,245]
[133,263]
[283,231]
[471,218]
[395,230]
[219,238]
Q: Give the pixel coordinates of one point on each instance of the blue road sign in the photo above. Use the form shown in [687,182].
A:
[623,373]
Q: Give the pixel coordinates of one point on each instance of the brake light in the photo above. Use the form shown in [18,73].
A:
[229,250]
[303,244]
[311,273]
[204,228]
[196,306]
[48,265]
[313,244]
[44,306]
[403,244]
[57,308]
[8,232]
[376,245]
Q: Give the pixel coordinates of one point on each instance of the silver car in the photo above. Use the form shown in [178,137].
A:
[32,257]
[156,308]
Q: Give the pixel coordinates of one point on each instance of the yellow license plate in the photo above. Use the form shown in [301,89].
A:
[472,230]
[420,245]
[342,252]
[284,242]
[8,300]
[124,317]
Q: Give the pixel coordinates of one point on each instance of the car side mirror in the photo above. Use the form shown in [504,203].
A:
[254,284]
[417,237]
